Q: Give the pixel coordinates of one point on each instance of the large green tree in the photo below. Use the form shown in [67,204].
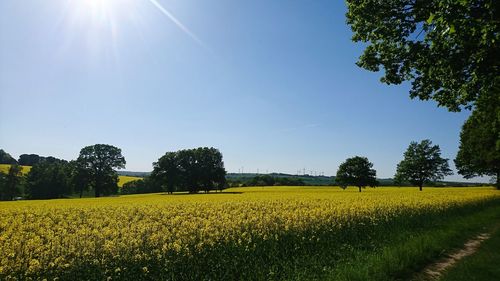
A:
[99,161]
[448,50]
[210,169]
[49,179]
[168,171]
[29,159]
[479,151]
[190,170]
[79,176]
[356,171]
[422,163]
[6,158]
[10,183]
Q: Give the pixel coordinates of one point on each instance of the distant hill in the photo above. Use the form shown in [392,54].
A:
[330,180]
[307,179]
[133,174]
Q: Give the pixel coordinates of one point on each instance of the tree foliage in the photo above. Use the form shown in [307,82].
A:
[265,180]
[10,183]
[356,171]
[49,179]
[99,162]
[479,151]
[168,171]
[422,163]
[447,49]
[6,158]
[145,185]
[79,177]
[29,159]
[268,180]
[191,170]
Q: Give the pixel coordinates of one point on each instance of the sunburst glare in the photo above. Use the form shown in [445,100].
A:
[98,24]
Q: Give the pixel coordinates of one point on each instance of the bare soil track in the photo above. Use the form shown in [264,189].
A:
[434,270]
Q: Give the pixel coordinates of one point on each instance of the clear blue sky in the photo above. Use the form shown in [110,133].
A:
[272,84]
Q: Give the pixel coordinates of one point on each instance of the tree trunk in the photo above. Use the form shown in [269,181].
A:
[97,189]
[81,192]
[359,188]
[420,187]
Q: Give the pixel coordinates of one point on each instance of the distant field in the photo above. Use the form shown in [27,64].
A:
[261,233]
[4,168]
[124,179]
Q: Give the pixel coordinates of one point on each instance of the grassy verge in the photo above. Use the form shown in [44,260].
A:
[483,265]
[408,252]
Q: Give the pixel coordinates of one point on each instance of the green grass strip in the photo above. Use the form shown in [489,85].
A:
[482,265]
[408,252]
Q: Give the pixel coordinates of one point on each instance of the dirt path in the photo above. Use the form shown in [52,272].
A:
[434,270]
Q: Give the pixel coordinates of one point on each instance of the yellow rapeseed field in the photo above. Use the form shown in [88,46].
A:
[124,179]
[176,236]
[4,168]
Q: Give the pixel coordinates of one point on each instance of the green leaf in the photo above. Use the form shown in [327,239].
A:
[431,17]
[452,29]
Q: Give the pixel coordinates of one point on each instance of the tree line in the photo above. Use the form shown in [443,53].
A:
[50,177]
[24,159]
[94,171]
[191,170]
[422,164]
[265,180]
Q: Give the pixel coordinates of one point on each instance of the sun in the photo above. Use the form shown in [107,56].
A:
[93,27]
[104,14]
[96,4]
[99,27]
[97,9]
